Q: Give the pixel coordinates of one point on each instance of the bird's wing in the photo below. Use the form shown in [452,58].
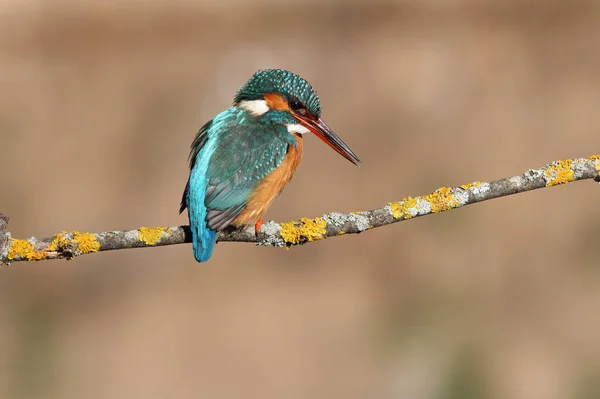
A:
[240,161]
[197,145]
[242,156]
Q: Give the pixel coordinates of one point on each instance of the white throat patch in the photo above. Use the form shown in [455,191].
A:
[296,128]
[255,107]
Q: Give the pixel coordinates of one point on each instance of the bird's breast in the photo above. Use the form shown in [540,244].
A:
[269,187]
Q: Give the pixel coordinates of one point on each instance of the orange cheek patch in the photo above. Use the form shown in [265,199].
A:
[276,102]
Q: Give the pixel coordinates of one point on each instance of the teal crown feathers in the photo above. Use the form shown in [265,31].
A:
[290,85]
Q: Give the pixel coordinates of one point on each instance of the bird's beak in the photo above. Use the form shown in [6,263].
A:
[318,127]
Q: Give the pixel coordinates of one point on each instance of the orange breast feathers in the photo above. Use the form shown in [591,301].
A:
[271,185]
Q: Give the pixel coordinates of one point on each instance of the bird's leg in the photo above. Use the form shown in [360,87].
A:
[257,226]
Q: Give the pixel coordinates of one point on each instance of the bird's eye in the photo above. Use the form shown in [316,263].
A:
[295,104]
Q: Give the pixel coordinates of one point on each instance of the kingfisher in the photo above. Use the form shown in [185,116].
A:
[242,158]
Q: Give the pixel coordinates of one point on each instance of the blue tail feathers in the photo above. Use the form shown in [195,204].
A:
[204,238]
[204,242]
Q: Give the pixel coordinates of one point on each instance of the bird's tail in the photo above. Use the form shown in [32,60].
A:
[204,240]
[203,237]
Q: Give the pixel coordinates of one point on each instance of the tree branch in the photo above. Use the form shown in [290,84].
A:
[70,244]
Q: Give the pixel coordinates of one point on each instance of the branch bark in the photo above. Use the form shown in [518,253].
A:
[70,244]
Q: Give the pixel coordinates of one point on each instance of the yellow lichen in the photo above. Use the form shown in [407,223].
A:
[441,200]
[60,240]
[402,208]
[151,235]
[396,209]
[20,249]
[23,249]
[86,242]
[308,230]
[468,186]
[559,173]
[596,159]
[38,255]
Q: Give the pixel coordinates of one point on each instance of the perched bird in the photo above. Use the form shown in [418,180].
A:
[242,158]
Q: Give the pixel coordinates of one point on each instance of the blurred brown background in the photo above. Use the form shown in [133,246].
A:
[99,102]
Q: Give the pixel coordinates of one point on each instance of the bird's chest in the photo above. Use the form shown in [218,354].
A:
[271,185]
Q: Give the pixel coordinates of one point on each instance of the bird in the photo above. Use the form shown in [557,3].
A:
[241,159]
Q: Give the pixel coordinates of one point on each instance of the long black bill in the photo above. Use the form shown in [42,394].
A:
[318,127]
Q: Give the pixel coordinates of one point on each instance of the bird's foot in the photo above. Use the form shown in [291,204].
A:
[257,226]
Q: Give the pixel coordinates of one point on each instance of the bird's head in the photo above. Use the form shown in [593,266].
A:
[282,92]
